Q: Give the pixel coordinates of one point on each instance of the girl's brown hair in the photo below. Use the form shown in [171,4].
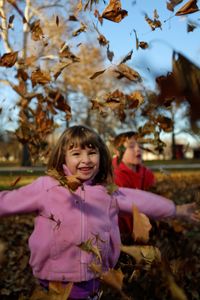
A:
[82,136]
[121,138]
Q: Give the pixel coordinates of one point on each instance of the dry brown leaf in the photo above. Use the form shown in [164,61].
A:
[73,182]
[143,45]
[153,23]
[141,226]
[15,181]
[127,57]
[189,8]
[36,31]
[113,11]
[90,246]
[125,71]
[102,40]
[113,278]
[110,54]
[172,3]
[8,59]
[83,28]
[40,77]
[96,74]
[147,254]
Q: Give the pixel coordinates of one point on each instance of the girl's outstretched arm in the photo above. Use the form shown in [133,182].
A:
[22,200]
[154,206]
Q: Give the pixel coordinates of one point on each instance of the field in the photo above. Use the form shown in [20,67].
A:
[177,277]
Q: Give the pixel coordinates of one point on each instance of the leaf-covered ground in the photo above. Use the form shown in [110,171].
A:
[177,276]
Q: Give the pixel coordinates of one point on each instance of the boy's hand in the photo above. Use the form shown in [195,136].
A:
[188,212]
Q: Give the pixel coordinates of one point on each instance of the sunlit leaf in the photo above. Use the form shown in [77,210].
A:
[143,254]
[96,74]
[8,59]
[141,226]
[189,8]
[36,31]
[114,12]
[40,77]
[125,71]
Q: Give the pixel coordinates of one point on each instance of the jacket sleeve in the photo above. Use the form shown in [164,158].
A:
[23,200]
[152,205]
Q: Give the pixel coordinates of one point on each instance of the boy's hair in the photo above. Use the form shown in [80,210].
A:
[82,136]
[121,138]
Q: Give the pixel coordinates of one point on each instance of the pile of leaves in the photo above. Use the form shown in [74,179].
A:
[167,267]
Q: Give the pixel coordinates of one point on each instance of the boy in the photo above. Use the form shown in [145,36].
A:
[129,171]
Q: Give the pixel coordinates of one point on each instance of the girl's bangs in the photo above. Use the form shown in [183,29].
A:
[82,142]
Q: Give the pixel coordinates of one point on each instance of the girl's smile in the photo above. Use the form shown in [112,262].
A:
[83,162]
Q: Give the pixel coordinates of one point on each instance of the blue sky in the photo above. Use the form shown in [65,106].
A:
[173,36]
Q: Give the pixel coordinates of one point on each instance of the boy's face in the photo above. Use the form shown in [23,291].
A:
[133,153]
[83,162]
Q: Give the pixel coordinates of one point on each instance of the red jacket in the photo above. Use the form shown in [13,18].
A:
[143,178]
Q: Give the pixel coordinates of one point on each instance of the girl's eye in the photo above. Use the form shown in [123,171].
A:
[93,152]
[75,154]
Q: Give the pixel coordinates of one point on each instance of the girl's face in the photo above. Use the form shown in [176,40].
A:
[133,154]
[83,162]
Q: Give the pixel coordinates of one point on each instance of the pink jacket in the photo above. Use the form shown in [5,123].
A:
[65,220]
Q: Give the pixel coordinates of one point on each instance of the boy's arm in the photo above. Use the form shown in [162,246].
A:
[21,200]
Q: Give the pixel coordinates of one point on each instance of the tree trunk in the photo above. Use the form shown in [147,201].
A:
[26,159]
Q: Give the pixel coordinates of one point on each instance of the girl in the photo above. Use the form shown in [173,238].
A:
[70,217]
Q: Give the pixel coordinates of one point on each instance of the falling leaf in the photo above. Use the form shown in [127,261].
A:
[65,52]
[172,3]
[40,77]
[59,68]
[83,28]
[191,27]
[155,23]
[141,226]
[15,181]
[102,40]
[189,8]
[96,74]
[143,45]
[13,3]
[36,31]
[110,54]
[147,254]
[113,278]
[176,291]
[57,21]
[10,21]
[113,11]
[8,59]
[127,57]
[125,71]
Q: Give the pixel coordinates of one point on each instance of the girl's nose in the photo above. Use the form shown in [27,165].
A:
[85,158]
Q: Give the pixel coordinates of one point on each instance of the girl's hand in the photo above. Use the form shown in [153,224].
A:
[188,212]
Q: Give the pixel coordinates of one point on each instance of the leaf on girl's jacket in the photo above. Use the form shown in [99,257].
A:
[189,8]
[96,74]
[172,3]
[127,57]
[141,226]
[83,28]
[143,254]
[73,182]
[36,31]
[111,188]
[114,12]
[40,77]
[8,59]
[15,181]
[155,23]
[90,246]
[125,71]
